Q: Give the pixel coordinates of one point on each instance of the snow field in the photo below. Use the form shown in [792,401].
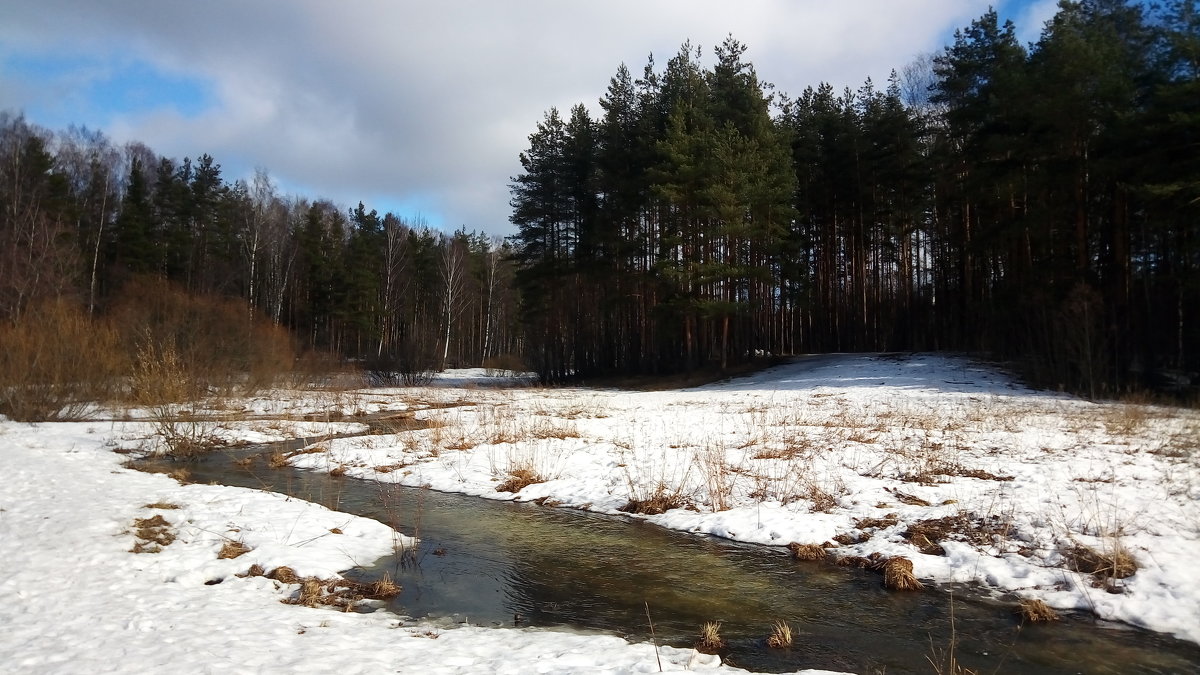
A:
[80,600]
[853,448]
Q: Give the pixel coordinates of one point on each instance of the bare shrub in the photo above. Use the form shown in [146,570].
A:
[54,362]
[160,383]
[504,364]
[218,342]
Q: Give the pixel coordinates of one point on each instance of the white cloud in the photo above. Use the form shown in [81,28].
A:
[429,102]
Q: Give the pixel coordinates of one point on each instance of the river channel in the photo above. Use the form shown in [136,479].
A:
[497,563]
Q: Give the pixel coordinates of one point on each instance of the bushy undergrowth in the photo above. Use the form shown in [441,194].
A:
[219,345]
[55,360]
[156,344]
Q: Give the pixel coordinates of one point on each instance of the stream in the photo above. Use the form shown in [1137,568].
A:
[498,563]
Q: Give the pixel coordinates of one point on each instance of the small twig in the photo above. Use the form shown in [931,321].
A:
[653,639]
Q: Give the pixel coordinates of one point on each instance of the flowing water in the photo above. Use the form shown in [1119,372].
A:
[488,562]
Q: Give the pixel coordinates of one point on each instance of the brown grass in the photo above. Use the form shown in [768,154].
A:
[806,551]
[161,505]
[898,575]
[871,523]
[284,574]
[660,501]
[519,479]
[311,592]
[710,641]
[905,498]
[1116,563]
[152,534]
[1033,610]
[781,635]
[255,570]
[927,535]
[546,430]
[384,587]
[277,460]
[232,549]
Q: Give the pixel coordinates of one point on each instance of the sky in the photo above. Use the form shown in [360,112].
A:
[418,108]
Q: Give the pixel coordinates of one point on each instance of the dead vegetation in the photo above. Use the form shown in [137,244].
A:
[339,593]
[928,535]
[710,641]
[897,571]
[520,478]
[898,575]
[877,523]
[55,362]
[1114,563]
[781,635]
[152,534]
[232,549]
[1033,610]
[807,551]
[661,500]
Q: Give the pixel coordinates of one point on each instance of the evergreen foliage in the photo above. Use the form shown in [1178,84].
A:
[1035,204]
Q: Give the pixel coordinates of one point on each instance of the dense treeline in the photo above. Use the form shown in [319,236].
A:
[83,219]
[1034,203]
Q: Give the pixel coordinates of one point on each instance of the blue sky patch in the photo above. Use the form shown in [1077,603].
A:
[94,90]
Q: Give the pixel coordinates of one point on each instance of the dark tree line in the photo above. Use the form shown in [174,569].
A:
[1038,203]
[81,217]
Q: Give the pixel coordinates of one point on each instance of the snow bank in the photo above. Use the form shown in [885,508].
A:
[78,599]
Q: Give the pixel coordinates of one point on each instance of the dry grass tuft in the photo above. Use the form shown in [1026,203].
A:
[161,505]
[547,429]
[1117,563]
[806,551]
[255,570]
[284,574]
[384,588]
[660,501]
[871,523]
[1035,611]
[311,592]
[710,641]
[152,534]
[232,549]
[898,575]
[781,635]
[519,479]
[277,460]
[928,535]
[905,498]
